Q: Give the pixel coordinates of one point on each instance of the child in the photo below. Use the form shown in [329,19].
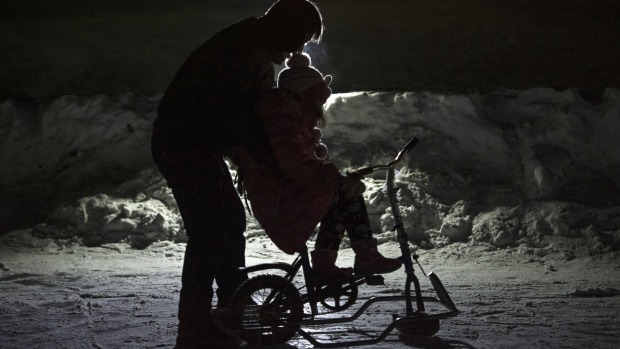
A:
[292,187]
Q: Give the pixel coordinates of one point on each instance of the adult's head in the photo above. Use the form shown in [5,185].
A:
[292,23]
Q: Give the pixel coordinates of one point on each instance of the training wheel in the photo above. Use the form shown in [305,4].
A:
[417,326]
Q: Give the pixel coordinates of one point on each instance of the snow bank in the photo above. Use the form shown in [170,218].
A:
[535,169]
[52,152]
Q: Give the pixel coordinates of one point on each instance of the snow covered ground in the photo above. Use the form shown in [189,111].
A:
[512,197]
[113,296]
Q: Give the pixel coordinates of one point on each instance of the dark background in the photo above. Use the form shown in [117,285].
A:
[59,47]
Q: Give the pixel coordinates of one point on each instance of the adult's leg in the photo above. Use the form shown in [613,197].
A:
[202,204]
[228,276]
[203,217]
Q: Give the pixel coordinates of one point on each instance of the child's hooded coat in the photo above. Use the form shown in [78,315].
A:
[290,199]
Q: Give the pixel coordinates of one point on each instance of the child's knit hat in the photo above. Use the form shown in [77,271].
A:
[301,77]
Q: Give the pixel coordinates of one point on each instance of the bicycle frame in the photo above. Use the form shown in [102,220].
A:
[417,317]
[301,262]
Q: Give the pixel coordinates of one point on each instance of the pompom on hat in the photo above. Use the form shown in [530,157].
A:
[302,78]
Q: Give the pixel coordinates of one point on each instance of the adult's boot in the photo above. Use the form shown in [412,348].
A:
[197,329]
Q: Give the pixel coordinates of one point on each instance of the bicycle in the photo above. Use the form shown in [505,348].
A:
[269,309]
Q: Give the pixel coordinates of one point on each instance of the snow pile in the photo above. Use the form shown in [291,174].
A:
[52,152]
[102,218]
[81,135]
[596,292]
[528,169]
[546,144]
[509,168]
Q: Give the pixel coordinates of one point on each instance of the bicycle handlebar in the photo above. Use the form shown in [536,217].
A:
[406,149]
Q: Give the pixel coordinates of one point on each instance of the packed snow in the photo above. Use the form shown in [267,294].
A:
[524,185]
[510,168]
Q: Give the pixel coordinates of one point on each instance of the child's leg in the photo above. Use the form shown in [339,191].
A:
[352,215]
[328,241]
[355,218]
[349,214]
[331,230]
[345,215]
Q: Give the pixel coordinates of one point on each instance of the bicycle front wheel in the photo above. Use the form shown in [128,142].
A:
[266,309]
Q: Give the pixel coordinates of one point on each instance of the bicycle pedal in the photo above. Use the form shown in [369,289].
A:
[375,280]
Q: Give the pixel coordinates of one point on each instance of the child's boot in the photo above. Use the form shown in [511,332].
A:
[369,261]
[324,263]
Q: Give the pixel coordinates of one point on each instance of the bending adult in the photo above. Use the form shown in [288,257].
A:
[206,111]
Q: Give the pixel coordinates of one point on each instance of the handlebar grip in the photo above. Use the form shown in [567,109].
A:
[412,143]
[365,171]
[368,170]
